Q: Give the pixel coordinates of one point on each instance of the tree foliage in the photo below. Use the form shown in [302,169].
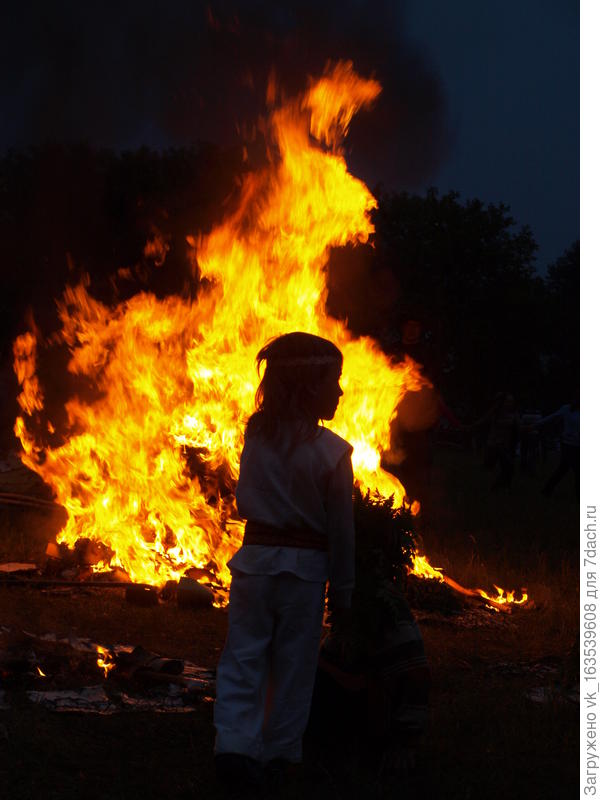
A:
[467,274]
[385,546]
[562,322]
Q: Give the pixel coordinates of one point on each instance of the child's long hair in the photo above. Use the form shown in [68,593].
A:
[295,364]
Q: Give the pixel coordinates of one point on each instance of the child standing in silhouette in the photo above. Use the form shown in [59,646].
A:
[295,491]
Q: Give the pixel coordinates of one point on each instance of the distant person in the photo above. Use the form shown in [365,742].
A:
[295,491]
[568,415]
[502,438]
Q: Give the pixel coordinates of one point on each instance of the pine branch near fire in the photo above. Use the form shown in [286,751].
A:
[385,546]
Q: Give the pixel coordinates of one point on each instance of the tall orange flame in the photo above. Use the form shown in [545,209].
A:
[176,379]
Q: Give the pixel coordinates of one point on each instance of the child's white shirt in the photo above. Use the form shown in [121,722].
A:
[306,485]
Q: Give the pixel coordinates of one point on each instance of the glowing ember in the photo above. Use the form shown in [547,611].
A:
[503,600]
[101,566]
[149,467]
[423,569]
[503,597]
[105,659]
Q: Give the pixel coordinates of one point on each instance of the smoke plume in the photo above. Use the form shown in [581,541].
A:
[165,74]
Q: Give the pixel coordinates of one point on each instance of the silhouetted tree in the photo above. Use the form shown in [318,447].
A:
[562,327]
[467,275]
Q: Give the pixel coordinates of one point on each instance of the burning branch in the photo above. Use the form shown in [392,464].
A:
[503,600]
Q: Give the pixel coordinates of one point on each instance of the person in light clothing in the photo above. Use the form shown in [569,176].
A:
[295,492]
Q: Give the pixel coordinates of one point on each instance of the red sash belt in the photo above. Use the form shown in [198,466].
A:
[260,533]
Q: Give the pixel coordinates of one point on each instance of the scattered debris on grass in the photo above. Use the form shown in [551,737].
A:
[17,568]
[56,673]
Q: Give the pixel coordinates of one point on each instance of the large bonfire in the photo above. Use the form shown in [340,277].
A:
[148,468]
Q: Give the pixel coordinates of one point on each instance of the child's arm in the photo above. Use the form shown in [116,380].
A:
[340,533]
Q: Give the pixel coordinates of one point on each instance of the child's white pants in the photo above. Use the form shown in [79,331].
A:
[272,648]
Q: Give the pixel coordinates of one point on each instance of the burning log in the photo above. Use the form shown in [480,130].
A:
[503,601]
[431,595]
[71,665]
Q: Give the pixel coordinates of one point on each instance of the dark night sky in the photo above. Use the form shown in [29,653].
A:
[478,97]
[510,71]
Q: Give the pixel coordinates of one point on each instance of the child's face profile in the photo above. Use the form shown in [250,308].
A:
[328,393]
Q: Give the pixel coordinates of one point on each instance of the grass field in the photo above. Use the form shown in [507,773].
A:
[487,739]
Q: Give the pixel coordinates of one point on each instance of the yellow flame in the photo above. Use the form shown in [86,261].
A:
[503,600]
[103,566]
[504,597]
[40,672]
[149,467]
[423,569]
[334,99]
[31,398]
[104,660]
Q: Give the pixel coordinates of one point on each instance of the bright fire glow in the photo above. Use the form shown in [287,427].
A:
[503,599]
[149,466]
[105,659]
[423,569]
